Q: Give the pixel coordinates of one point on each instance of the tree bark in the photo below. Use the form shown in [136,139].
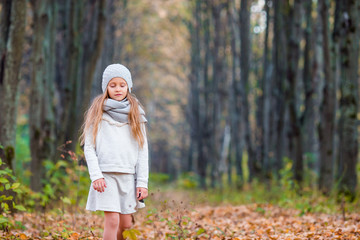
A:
[280,66]
[41,114]
[206,88]
[293,55]
[194,116]
[234,96]
[13,21]
[81,72]
[348,34]
[107,54]
[217,75]
[327,108]
[71,97]
[308,117]
[11,49]
[92,57]
[245,47]
[74,72]
[265,101]
[318,80]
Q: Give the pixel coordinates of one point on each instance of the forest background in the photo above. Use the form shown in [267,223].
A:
[259,96]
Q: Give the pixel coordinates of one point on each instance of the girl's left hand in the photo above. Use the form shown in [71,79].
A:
[141,193]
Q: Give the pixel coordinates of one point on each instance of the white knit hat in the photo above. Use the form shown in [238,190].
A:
[116,70]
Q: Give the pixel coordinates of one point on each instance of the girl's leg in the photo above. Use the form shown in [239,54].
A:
[125,223]
[112,220]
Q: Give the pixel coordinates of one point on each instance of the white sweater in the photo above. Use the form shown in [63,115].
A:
[116,151]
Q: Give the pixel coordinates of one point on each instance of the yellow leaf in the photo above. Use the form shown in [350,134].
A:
[131,234]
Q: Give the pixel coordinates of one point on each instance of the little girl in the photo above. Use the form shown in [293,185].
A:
[116,152]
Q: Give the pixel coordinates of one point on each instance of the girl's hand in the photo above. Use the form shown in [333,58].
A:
[141,193]
[99,185]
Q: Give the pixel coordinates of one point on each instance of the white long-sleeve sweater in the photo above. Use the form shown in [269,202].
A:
[116,151]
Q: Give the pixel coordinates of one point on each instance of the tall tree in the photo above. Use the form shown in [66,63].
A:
[68,79]
[279,83]
[310,85]
[245,51]
[293,55]
[202,166]
[95,42]
[234,96]
[13,19]
[327,108]
[264,101]
[217,75]
[107,54]
[41,114]
[347,31]
[73,72]
[195,113]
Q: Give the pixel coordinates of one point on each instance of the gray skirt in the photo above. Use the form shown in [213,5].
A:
[118,196]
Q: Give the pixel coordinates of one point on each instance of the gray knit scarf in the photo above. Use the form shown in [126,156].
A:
[119,110]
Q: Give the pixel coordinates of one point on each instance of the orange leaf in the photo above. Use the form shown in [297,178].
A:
[23,236]
[74,236]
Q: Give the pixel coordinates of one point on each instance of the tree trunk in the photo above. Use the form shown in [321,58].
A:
[235,103]
[37,136]
[13,21]
[245,50]
[327,108]
[107,54]
[92,57]
[216,9]
[120,44]
[265,101]
[348,34]
[74,72]
[205,100]
[293,55]
[224,154]
[81,72]
[201,160]
[11,49]
[196,115]
[318,80]
[279,86]
[41,114]
[62,52]
[308,117]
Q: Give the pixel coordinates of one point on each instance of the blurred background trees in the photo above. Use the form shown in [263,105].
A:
[234,90]
[282,91]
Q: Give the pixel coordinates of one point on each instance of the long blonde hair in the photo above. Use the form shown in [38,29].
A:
[93,115]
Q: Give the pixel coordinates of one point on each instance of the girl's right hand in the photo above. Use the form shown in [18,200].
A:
[99,185]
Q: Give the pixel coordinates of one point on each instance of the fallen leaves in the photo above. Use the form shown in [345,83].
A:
[195,222]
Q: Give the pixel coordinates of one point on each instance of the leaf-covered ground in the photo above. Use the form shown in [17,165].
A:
[173,220]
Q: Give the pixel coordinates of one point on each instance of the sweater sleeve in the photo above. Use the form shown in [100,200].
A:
[91,157]
[142,166]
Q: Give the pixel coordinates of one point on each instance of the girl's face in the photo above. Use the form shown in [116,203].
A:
[117,88]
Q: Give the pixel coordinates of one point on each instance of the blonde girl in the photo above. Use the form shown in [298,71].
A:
[116,151]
